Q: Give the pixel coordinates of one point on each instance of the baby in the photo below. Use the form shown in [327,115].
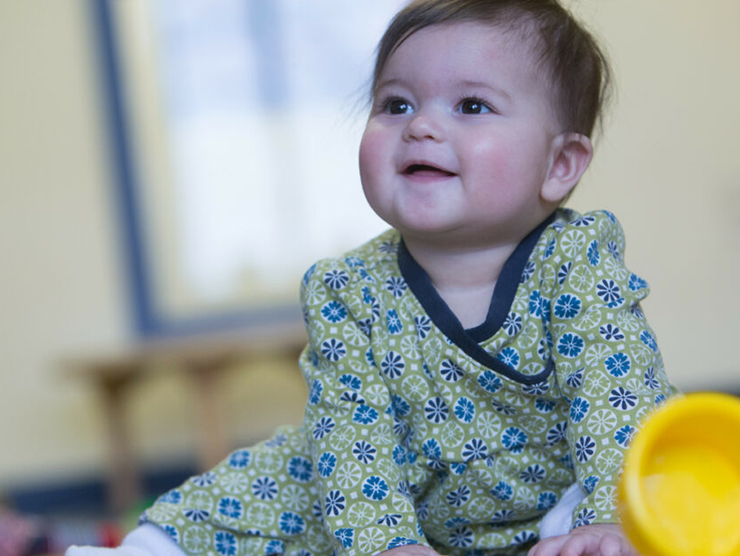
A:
[475,373]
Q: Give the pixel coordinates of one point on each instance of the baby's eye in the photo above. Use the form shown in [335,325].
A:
[397,105]
[474,106]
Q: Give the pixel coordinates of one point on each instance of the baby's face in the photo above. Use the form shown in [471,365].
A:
[460,138]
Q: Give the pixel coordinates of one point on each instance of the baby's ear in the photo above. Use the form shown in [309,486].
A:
[570,156]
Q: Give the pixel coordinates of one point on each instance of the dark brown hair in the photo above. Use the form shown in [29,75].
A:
[570,56]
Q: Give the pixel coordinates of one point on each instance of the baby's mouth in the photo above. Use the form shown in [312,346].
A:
[426,170]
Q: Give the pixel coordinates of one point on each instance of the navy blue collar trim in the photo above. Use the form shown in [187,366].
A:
[503,296]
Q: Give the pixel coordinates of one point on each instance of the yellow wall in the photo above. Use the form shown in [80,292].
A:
[667,166]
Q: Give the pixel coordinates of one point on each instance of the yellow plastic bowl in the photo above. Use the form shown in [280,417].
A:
[680,489]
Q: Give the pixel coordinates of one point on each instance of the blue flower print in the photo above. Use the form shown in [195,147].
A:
[490,382]
[390,520]
[594,257]
[536,389]
[624,435]
[309,273]
[585,448]
[583,221]
[503,408]
[458,468]
[388,247]
[659,399]
[509,356]
[623,399]
[611,333]
[275,548]
[300,469]
[323,427]
[196,515]
[608,291]
[171,497]
[462,537]
[351,396]
[575,379]
[618,364]
[533,474]
[336,279]
[579,409]
[610,216]
[364,451]
[365,415]
[589,485]
[503,491]
[396,285]
[647,339]
[395,326]
[291,523]
[230,507]
[333,349]
[205,480]
[550,249]
[564,272]
[225,543]
[584,517]
[514,438]
[436,410]
[513,324]
[314,396]
[636,283]
[346,536]
[265,488]
[423,326]
[535,303]
[570,345]
[432,449]
[326,465]
[367,296]
[375,488]
[524,537]
[527,272]
[613,249]
[334,312]
[458,497]
[450,371]
[650,379]
[351,381]
[399,427]
[240,459]
[399,454]
[172,532]
[392,365]
[401,541]
[546,500]
[544,405]
[400,406]
[503,516]
[475,449]
[354,262]
[276,441]
[567,306]
[557,433]
[465,410]
[422,511]
[334,503]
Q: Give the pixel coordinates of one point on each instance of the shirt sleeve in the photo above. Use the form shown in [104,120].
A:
[608,365]
[355,439]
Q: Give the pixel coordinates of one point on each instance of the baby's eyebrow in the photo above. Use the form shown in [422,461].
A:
[483,85]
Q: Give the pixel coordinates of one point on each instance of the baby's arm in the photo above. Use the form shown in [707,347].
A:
[599,539]
[146,540]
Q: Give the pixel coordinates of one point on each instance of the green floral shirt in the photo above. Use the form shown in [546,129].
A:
[419,431]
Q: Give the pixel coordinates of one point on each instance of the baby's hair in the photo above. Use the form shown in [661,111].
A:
[570,56]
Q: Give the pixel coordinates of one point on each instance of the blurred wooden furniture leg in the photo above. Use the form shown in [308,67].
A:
[124,487]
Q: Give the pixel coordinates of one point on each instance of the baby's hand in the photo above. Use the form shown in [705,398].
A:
[601,539]
[410,550]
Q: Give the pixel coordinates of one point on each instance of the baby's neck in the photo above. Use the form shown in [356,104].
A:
[464,278]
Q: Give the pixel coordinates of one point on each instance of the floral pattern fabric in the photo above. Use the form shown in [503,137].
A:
[417,431]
